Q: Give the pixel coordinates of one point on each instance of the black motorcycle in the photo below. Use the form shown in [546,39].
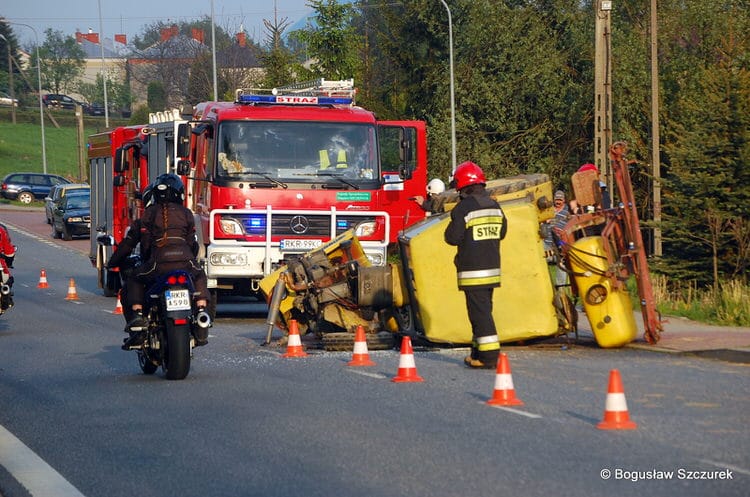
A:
[173,324]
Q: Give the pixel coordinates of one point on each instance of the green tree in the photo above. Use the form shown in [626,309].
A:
[278,61]
[62,61]
[332,43]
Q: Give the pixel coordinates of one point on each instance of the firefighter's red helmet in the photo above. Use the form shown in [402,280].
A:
[588,167]
[467,174]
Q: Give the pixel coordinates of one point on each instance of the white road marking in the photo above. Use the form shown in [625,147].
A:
[38,477]
[515,411]
[367,373]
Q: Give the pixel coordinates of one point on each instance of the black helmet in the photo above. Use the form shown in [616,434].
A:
[169,188]
[147,197]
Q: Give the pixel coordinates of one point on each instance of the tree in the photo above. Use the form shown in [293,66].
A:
[278,61]
[9,40]
[62,61]
[332,44]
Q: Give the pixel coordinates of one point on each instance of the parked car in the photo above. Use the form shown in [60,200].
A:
[57,192]
[95,109]
[26,187]
[5,100]
[60,101]
[72,216]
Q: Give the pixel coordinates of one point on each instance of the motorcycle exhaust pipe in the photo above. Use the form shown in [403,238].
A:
[203,319]
[5,290]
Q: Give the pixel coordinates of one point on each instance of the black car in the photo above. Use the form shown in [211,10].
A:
[57,192]
[72,216]
[59,101]
[95,109]
[25,187]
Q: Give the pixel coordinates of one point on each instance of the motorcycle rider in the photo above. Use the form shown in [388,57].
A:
[121,257]
[476,227]
[7,254]
[167,237]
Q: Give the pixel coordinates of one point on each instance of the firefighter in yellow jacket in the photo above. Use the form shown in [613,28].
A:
[476,227]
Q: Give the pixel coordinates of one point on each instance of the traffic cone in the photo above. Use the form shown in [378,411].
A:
[616,415]
[407,371]
[43,280]
[118,307]
[360,356]
[294,343]
[504,394]
[72,294]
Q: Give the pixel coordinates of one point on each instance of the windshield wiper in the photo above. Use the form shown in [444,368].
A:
[338,177]
[264,175]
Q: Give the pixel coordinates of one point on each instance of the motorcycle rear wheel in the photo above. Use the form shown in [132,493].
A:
[147,365]
[177,356]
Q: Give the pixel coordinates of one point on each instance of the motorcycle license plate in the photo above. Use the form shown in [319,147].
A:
[177,300]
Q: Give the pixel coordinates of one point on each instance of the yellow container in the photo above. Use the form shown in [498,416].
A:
[522,306]
[608,310]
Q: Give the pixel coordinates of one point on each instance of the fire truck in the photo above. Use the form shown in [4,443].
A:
[276,173]
[122,161]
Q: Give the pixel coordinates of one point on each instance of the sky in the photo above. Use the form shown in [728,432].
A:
[129,17]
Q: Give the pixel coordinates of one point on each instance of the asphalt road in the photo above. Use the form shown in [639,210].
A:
[78,418]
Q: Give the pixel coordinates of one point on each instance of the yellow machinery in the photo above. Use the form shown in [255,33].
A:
[332,290]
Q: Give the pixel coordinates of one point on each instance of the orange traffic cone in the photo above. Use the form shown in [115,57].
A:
[118,307]
[72,294]
[43,280]
[504,394]
[407,371]
[361,356]
[294,344]
[616,415]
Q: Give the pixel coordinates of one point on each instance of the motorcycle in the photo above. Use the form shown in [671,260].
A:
[173,323]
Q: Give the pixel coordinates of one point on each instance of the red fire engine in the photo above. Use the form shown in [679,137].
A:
[122,162]
[278,172]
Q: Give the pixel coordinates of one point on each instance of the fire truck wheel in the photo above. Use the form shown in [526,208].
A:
[111,284]
[344,342]
[212,300]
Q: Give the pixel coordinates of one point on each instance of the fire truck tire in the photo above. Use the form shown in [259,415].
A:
[213,298]
[111,284]
[344,342]
[66,233]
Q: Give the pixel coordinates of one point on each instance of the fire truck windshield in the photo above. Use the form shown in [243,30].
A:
[334,154]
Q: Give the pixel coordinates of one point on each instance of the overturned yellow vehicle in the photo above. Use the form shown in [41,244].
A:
[334,289]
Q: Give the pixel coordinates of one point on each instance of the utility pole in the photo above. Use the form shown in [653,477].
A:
[655,146]
[603,90]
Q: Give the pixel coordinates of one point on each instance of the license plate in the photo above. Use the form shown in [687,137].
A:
[299,244]
[177,300]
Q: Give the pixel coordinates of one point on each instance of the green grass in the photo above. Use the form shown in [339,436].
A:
[21,143]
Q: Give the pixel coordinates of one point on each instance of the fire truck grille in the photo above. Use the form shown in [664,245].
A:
[301,225]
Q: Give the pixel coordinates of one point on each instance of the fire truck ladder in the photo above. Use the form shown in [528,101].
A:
[319,88]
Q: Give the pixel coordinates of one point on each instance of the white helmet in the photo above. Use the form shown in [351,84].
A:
[435,186]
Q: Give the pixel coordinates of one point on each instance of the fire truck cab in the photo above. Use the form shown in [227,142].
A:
[276,173]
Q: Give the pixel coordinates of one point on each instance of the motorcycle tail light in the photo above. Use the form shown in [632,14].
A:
[182,279]
[181,321]
[172,280]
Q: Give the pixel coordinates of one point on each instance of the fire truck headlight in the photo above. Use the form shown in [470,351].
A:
[231,226]
[375,259]
[228,259]
[365,229]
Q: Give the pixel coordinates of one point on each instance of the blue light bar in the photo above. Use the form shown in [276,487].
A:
[294,99]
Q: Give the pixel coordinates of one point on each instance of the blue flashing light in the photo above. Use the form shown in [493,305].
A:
[342,224]
[294,99]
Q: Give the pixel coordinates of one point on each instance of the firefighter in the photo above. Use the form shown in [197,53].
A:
[434,188]
[476,227]
[168,237]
